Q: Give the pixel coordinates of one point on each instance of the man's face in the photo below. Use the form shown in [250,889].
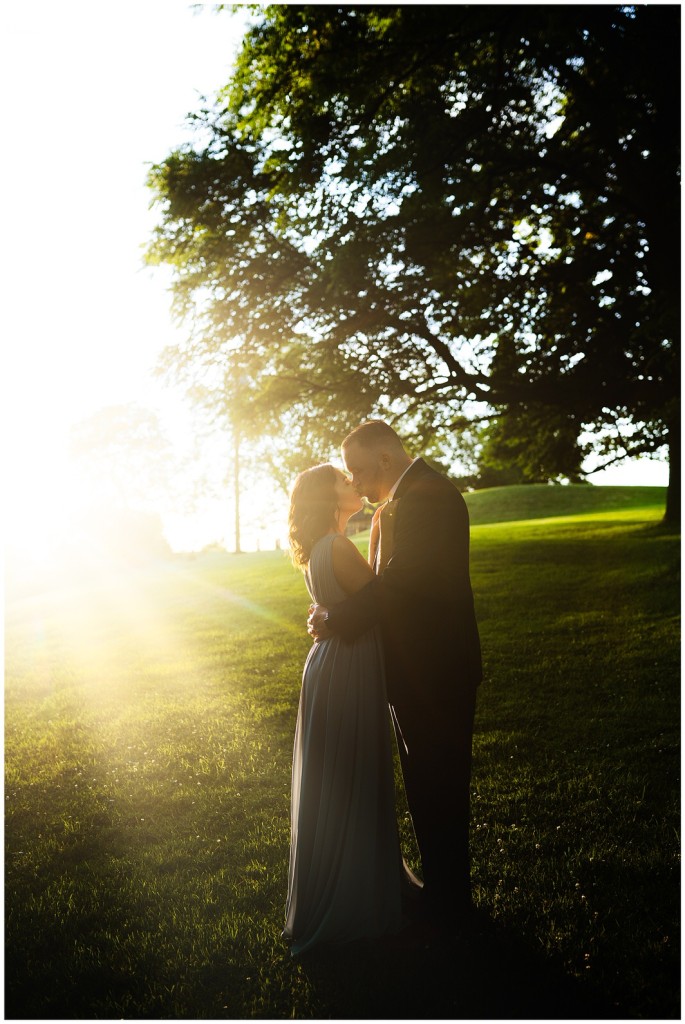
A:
[366,467]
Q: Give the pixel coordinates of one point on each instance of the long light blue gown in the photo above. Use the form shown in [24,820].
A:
[345,862]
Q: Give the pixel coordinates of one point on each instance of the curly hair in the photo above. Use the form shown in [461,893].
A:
[313,511]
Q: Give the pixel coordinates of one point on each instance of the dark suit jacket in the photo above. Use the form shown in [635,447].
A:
[423,599]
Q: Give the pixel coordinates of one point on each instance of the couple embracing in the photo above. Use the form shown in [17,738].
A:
[397,632]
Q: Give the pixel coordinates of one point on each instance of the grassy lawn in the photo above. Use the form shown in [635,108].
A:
[149,723]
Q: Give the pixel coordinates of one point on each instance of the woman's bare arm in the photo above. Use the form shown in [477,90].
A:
[350,568]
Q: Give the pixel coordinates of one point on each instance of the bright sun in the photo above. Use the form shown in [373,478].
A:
[58,519]
[46,493]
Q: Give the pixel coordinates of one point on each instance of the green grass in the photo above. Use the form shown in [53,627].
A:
[149,725]
[542,501]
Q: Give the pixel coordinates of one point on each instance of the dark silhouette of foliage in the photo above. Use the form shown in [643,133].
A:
[441,213]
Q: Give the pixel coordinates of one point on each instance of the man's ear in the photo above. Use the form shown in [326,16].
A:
[385,461]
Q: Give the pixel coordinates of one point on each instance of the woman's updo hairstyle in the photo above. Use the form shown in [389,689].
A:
[313,511]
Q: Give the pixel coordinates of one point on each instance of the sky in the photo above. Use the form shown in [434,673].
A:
[95,93]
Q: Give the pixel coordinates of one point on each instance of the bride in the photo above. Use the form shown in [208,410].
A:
[344,879]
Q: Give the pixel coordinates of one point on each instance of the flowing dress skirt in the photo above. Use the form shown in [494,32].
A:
[345,863]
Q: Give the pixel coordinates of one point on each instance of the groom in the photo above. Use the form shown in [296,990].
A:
[422,598]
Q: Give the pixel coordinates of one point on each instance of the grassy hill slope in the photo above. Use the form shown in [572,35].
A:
[149,728]
[541,501]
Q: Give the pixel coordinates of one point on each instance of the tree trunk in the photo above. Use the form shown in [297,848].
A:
[672,514]
[236,489]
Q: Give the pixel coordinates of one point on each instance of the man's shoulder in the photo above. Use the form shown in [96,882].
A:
[425,481]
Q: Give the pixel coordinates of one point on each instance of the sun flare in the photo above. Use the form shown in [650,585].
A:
[53,513]
[45,491]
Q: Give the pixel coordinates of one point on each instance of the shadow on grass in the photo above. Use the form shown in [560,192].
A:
[490,974]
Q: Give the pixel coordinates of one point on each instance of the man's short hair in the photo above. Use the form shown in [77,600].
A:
[372,434]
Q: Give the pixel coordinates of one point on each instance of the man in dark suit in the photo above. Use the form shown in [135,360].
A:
[422,598]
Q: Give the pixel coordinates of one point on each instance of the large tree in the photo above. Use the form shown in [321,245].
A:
[448,215]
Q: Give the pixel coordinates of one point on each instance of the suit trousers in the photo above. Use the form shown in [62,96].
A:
[435,747]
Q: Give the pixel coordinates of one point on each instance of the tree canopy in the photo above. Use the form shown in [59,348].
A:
[462,218]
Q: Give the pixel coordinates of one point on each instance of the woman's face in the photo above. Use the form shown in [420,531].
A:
[347,498]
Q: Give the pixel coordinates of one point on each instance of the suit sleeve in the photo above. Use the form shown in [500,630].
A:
[357,613]
[430,548]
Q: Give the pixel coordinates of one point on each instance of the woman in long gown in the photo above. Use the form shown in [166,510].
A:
[345,865]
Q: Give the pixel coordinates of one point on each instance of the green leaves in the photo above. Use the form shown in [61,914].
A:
[438,205]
